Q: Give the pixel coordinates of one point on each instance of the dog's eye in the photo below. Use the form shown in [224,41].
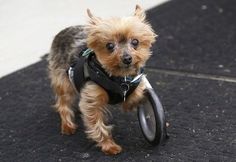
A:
[110,46]
[135,42]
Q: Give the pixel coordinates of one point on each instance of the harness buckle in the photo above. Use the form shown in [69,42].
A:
[71,74]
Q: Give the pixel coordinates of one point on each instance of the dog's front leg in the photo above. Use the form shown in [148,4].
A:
[135,98]
[93,102]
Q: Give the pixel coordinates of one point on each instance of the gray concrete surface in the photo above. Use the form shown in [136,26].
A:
[28,27]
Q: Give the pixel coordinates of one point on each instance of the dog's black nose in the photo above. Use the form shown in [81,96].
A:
[127,59]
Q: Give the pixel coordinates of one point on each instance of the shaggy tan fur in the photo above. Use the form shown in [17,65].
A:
[93,98]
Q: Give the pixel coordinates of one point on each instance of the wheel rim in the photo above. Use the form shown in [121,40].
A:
[147,120]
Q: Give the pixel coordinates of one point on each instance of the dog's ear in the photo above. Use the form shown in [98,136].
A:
[93,19]
[140,13]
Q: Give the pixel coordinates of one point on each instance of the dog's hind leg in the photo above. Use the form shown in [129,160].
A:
[65,96]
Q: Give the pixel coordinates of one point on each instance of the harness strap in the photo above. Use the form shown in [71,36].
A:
[88,68]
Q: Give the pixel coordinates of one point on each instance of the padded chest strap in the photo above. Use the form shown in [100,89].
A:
[88,68]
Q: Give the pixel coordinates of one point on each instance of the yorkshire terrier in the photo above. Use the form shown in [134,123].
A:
[113,52]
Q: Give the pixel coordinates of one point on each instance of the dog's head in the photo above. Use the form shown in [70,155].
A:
[121,45]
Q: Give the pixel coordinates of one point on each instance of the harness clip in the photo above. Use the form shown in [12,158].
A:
[125,89]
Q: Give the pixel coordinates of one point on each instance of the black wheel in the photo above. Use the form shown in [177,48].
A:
[152,118]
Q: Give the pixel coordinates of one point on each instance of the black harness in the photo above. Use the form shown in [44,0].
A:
[88,68]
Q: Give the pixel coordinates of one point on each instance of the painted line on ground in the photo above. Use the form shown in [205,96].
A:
[194,75]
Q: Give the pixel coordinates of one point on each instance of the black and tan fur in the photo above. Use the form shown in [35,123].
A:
[93,99]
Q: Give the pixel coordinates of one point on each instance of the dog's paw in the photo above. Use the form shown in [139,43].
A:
[128,108]
[66,130]
[111,148]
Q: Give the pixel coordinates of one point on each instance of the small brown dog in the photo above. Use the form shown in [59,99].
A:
[119,48]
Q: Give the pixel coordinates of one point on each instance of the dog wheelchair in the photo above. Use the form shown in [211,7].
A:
[151,117]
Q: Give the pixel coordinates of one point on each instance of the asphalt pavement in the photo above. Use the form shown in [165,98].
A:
[193,70]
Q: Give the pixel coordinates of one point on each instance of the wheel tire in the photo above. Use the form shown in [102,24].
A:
[152,118]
